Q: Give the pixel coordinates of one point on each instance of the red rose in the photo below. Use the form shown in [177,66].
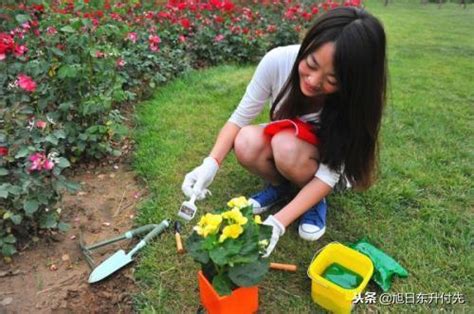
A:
[185,23]
[38,7]
[6,43]
[3,151]
[228,6]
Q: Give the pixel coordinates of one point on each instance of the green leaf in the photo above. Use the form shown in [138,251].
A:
[57,52]
[240,259]
[221,255]
[67,71]
[3,172]
[68,29]
[66,106]
[265,232]
[49,221]
[16,219]
[3,194]
[250,241]
[247,275]
[72,186]
[9,239]
[56,171]
[22,18]
[60,134]
[62,184]
[30,206]
[222,284]
[194,247]
[52,139]
[63,226]
[8,250]
[63,163]
[14,189]
[23,152]
[116,153]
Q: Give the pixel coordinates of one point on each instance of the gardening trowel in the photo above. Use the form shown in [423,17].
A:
[120,258]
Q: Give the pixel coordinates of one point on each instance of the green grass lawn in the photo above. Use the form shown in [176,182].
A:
[420,211]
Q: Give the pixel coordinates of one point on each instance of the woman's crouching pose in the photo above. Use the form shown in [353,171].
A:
[327,97]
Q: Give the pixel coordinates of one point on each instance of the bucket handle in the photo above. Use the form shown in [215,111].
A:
[314,256]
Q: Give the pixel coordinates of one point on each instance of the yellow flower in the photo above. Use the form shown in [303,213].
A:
[257,219]
[239,202]
[209,224]
[231,231]
[263,243]
[235,215]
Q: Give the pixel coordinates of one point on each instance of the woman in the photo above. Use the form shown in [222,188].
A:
[327,99]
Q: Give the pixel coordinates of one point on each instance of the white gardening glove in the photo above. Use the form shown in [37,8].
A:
[197,181]
[278,231]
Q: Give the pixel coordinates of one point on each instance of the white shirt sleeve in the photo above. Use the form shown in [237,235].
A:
[327,175]
[258,91]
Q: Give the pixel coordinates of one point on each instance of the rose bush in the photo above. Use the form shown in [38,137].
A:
[69,70]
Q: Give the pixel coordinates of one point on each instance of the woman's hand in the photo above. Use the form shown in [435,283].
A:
[197,181]
[277,232]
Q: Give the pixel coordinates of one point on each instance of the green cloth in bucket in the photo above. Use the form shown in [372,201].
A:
[385,267]
[342,276]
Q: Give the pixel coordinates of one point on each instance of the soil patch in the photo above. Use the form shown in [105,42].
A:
[50,275]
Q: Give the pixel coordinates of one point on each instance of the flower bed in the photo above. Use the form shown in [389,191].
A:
[69,69]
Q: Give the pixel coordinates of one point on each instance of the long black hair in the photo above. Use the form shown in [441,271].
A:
[351,117]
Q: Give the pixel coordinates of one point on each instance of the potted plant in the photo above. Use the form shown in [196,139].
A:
[229,244]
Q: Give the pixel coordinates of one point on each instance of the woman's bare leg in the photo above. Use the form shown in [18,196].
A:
[254,152]
[294,158]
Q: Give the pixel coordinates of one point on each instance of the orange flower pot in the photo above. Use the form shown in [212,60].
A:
[242,300]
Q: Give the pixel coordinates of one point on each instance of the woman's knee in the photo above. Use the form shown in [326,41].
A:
[292,155]
[249,144]
[284,149]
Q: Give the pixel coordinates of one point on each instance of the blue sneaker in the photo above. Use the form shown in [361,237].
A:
[270,196]
[313,223]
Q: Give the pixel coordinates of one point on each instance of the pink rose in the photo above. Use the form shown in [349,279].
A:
[133,37]
[26,25]
[26,83]
[51,30]
[40,162]
[219,38]
[154,39]
[40,124]
[48,164]
[271,28]
[120,62]
[20,50]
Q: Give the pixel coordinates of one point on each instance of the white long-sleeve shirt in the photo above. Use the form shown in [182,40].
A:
[271,74]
